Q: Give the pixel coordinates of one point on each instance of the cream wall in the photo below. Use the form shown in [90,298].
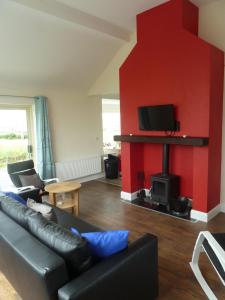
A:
[76,124]
[211,29]
[107,83]
[75,120]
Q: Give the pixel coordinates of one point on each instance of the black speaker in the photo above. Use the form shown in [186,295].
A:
[180,204]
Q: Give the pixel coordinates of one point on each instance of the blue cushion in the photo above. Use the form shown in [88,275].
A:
[104,244]
[15,197]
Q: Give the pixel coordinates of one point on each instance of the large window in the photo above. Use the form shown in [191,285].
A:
[16,140]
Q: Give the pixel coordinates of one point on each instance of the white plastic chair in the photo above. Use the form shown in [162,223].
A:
[214,247]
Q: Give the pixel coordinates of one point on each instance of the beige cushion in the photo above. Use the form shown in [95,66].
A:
[34,180]
[44,209]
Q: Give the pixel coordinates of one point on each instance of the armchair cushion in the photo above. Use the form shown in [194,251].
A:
[16,179]
[220,238]
[34,179]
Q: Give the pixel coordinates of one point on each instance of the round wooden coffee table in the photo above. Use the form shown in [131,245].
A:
[70,189]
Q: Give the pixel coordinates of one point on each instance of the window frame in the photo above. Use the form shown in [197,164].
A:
[29,108]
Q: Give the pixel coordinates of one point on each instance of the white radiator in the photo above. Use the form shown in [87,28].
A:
[78,168]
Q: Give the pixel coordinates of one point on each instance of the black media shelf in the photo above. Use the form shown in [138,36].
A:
[171,140]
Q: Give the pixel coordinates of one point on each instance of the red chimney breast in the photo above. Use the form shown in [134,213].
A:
[171,65]
[172,15]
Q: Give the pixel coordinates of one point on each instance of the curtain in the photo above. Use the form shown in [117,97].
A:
[45,163]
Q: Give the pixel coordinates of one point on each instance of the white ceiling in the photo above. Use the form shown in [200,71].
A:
[119,12]
[44,51]
[46,45]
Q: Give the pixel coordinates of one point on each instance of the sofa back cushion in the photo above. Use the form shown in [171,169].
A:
[16,211]
[46,210]
[73,249]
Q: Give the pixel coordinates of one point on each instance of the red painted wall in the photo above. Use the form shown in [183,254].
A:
[170,64]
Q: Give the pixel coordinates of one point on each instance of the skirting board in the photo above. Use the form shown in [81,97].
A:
[222,205]
[195,214]
[128,196]
[131,196]
[205,217]
[89,178]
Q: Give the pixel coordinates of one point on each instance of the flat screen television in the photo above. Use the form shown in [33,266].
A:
[157,118]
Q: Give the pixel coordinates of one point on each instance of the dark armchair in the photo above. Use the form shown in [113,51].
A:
[26,168]
[32,193]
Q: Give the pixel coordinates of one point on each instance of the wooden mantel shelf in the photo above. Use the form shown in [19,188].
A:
[175,140]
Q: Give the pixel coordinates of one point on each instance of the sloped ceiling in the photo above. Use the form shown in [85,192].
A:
[119,12]
[65,46]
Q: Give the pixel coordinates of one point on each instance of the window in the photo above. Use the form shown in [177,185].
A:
[16,137]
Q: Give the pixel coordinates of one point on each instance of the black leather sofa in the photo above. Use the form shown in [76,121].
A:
[38,273]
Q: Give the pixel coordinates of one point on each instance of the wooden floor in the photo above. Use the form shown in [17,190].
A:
[100,204]
[115,181]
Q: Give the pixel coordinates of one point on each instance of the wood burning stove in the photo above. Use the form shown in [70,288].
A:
[165,186]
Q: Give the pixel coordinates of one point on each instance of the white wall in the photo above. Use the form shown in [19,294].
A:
[75,121]
[108,82]
[211,29]
[76,124]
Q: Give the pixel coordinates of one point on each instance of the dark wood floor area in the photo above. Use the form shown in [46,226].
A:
[101,205]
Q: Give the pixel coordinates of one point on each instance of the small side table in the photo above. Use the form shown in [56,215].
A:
[71,189]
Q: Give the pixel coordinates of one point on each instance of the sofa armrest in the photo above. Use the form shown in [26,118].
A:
[130,274]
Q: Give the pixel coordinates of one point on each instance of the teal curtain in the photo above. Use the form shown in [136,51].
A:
[45,163]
